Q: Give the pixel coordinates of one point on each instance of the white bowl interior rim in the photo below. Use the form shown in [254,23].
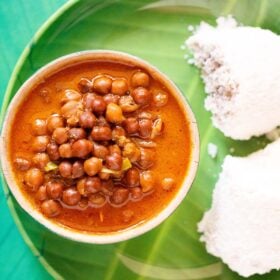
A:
[89,237]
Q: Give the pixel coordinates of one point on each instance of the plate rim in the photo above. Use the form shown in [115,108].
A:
[6,100]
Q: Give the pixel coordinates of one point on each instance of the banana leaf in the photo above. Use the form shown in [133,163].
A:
[154,31]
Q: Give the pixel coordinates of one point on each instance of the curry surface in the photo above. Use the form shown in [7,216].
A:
[173,152]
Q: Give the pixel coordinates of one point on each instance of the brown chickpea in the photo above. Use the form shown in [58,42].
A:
[53,122]
[141,95]
[40,160]
[101,121]
[65,151]
[40,143]
[114,113]
[81,148]
[77,133]
[70,95]
[92,166]
[60,135]
[22,164]
[101,133]
[128,104]
[77,169]
[97,199]
[71,196]
[119,87]
[131,151]
[92,185]
[117,132]
[81,186]
[111,98]
[115,149]
[120,196]
[132,177]
[147,181]
[51,208]
[53,151]
[65,169]
[98,105]
[83,203]
[73,121]
[33,178]
[41,194]
[131,125]
[107,187]
[88,100]
[39,127]
[140,79]
[145,128]
[87,119]
[114,162]
[89,185]
[160,98]
[147,158]
[122,141]
[102,84]
[85,85]
[100,151]
[70,108]
[168,183]
[54,189]
[136,193]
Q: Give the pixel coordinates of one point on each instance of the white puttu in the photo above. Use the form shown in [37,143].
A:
[241,70]
[243,225]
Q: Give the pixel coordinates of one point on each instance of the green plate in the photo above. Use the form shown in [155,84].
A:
[154,31]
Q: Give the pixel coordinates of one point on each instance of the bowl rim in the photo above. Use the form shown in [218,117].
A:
[85,236]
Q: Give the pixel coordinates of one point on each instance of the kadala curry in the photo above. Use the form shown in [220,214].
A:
[100,146]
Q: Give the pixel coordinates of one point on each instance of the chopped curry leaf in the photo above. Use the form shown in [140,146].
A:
[50,166]
[110,171]
[126,164]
